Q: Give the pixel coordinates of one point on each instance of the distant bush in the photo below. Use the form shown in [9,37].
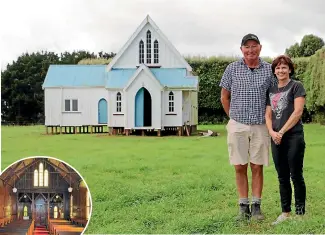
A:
[95,61]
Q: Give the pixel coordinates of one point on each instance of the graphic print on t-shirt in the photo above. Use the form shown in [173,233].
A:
[279,102]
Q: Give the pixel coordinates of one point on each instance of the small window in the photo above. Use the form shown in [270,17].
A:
[46,178]
[148,47]
[171,101]
[156,52]
[55,212]
[74,105]
[118,102]
[71,105]
[25,211]
[35,178]
[141,52]
[67,105]
[41,172]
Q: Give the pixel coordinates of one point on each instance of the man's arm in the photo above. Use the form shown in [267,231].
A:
[225,100]
[268,118]
[225,85]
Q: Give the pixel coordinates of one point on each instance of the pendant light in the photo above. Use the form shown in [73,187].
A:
[70,188]
[14,189]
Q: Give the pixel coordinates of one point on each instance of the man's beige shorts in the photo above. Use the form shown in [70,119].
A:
[248,143]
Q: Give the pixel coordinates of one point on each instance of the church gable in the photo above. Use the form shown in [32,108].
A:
[145,76]
[40,174]
[149,46]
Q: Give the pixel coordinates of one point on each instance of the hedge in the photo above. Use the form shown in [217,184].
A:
[210,71]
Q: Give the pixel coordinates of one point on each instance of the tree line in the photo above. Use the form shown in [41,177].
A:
[22,97]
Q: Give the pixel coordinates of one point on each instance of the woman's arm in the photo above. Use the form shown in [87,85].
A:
[276,137]
[299,103]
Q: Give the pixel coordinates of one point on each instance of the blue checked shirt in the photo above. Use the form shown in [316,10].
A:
[248,91]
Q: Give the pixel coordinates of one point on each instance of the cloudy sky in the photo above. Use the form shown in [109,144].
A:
[197,28]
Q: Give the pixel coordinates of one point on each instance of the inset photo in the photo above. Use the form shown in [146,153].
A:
[43,195]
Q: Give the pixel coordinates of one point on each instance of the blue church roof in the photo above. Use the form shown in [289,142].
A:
[97,76]
[170,77]
[75,76]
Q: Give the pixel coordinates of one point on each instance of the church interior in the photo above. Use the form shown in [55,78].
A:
[43,196]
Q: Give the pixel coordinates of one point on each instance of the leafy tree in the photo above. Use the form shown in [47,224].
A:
[308,46]
[22,97]
[293,51]
[314,81]
[106,55]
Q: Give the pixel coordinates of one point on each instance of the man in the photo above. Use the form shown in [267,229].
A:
[243,97]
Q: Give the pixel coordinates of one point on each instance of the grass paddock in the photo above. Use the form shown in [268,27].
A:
[170,184]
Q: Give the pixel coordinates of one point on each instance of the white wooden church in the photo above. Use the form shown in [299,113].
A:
[148,86]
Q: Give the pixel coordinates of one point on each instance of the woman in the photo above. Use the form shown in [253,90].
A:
[285,104]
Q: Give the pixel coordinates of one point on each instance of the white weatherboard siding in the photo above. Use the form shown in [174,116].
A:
[174,118]
[194,104]
[146,81]
[87,113]
[190,110]
[52,97]
[186,107]
[130,58]
[116,119]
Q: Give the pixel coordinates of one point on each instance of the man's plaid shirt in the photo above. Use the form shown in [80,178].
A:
[248,90]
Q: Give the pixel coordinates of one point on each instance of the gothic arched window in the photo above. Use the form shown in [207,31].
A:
[141,52]
[148,42]
[156,52]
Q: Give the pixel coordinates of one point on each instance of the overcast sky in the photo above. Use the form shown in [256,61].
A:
[200,27]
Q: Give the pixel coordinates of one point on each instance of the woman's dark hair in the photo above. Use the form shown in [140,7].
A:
[283,59]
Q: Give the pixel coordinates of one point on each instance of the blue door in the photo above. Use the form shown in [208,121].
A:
[102,111]
[139,108]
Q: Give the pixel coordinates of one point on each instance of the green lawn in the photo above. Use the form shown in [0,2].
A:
[169,184]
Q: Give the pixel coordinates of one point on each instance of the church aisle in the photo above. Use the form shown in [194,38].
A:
[41,230]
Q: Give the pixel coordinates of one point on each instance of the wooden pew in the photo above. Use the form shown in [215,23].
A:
[67,228]
[5,221]
[25,227]
[2,222]
[81,222]
[64,227]
[53,222]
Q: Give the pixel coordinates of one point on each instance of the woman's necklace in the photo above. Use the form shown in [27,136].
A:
[282,88]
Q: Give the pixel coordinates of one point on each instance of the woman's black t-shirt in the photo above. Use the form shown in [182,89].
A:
[281,101]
